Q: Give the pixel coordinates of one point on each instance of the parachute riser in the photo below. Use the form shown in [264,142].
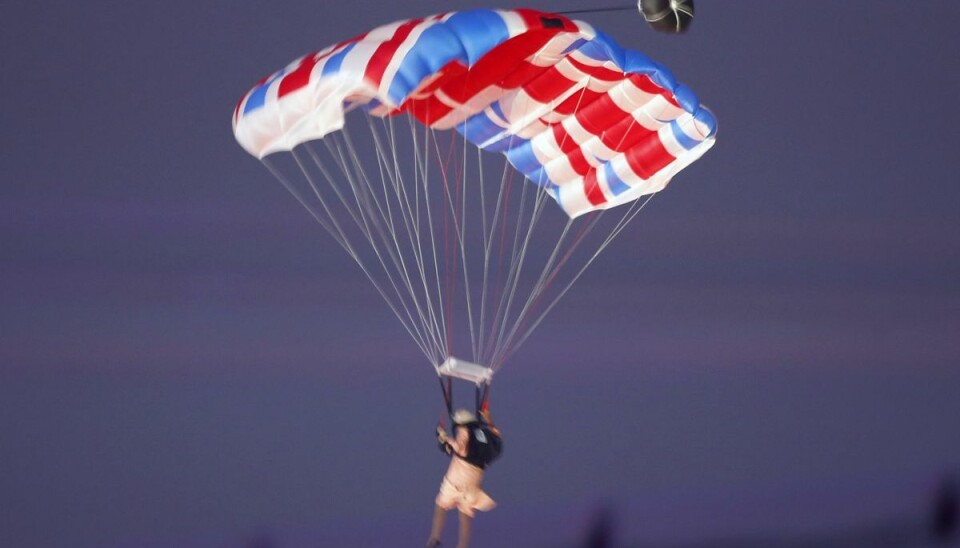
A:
[480,376]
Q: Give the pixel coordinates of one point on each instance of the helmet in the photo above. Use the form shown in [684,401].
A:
[462,416]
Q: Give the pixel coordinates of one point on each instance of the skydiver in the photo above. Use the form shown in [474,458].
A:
[475,444]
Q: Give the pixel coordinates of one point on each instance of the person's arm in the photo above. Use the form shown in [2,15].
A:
[458,444]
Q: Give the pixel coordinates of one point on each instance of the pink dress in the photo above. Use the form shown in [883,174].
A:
[460,487]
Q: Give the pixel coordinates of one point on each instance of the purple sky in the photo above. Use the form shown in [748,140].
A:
[187,359]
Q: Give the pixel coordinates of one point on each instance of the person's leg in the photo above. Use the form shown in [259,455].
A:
[439,515]
[465,523]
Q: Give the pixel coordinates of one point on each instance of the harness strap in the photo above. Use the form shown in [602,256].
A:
[447,389]
[482,398]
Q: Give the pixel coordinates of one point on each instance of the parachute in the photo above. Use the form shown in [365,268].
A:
[491,146]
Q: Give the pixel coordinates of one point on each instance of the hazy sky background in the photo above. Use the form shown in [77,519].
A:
[186,359]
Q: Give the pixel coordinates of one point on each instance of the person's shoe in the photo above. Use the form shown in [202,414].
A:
[433,543]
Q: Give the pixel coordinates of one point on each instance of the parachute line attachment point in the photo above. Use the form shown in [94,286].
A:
[460,369]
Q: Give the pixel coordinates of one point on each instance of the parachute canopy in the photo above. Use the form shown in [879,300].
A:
[591,123]
[456,106]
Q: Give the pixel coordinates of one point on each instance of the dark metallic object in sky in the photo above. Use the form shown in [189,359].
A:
[667,15]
